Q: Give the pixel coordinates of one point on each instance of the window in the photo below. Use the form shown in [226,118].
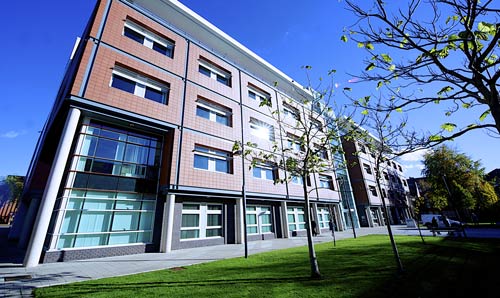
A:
[200,221]
[213,112]
[325,182]
[261,129]
[112,188]
[259,95]
[316,124]
[404,182]
[259,220]
[296,219]
[384,193]
[386,176]
[153,41]
[400,169]
[290,112]
[373,190]
[322,152]
[394,165]
[210,70]
[297,180]
[265,171]
[294,143]
[367,168]
[139,85]
[323,217]
[362,148]
[213,160]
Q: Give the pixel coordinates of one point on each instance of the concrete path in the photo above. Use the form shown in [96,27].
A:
[17,281]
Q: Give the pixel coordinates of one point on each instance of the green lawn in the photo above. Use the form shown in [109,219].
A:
[362,267]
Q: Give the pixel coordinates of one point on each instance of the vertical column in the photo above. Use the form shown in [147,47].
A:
[239,223]
[368,212]
[49,196]
[284,220]
[168,224]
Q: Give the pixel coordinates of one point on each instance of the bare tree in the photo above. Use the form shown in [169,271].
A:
[435,51]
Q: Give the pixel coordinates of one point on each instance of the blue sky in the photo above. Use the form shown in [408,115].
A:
[288,35]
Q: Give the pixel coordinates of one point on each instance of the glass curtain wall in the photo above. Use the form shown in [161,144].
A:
[112,188]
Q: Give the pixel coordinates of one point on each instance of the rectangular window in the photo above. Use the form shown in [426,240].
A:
[296,219]
[405,183]
[400,169]
[362,148]
[290,112]
[386,176]
[139,85]
[149,39]
[384,193]
[294,143]
[259,95]
[326,182]
[323,217]
[259,220]
[367,168]
[261,129]
[213,160]
[297,180]
[213,112]
[214,72]
[265,171]
[373,190]
[316,124]
[200,221]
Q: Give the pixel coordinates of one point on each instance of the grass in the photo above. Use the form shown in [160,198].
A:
[363,267]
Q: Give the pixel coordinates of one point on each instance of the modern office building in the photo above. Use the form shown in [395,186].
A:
[394,186]
[136,155]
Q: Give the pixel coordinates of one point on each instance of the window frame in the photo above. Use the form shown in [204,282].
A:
[373,190]
[258,94]
[324,219]
[142,83]
[150,38]
[296,211]
[264,168]
[214,110]
[212,155]
[214,72]
[256,127]
[326,179]
[367,168]
[203,211]
[259,225]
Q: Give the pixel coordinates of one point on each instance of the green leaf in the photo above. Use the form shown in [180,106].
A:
[380,84]
[486,27]
[484,115]
[370,46]
[343,38]
[448,126]
[466,105]
[445,90]
[399,110]
[386,58]
[392,67]
[361,45]
[370,66]
[364,112]
[434,138]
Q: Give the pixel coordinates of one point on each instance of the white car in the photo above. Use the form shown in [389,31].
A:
[442,221]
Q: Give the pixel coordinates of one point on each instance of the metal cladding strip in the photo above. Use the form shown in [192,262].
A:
[90,64]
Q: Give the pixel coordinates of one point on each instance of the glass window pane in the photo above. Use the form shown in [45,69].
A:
[90,240]
[189,234]
[190,220]
[214,220]
[267,229]
[146,222]
[291,218]
[214,232]
[127,205]
[191,207]
[302,226]
[75,203]
[97,204]
[125,221]
[160,48]
[269,174]
[214,207]
[203,112]
[200,162]
[301,218]
[252,230]
[251,208]
[203,70]
[155,95]
[265,218]
[88,146]
[136,154]
[257,172]
[122,83]
[102,182]
[109,149]
[251,219]
[291,227]
[222,166]
[122,238]
[65,241]
[222,119]
[145,237]
[70,221]
[133,35]
[94,221]
[223,80]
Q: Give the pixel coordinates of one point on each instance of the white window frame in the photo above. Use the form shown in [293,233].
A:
[323,217]
[215,110]
[258,212]
[212,155]
[263,169]
[326,179]
[290,112]
[294,144]
[214,71]
[141,83]
[258,94]
[149,37]
[368,169]
[257,128]
[297,180]
[203,213]
[296,211]
[373,190]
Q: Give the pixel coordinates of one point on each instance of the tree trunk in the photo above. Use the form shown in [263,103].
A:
[312,253]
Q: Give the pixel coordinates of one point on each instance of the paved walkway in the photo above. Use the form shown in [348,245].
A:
[17,281]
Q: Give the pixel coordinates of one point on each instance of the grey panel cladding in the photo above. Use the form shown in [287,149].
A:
[91,253]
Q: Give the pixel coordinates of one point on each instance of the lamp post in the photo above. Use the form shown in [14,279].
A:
[342,185]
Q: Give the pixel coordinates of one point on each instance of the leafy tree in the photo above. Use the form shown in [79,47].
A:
[459,179]
[436,51]
[15,184]
[308,127]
